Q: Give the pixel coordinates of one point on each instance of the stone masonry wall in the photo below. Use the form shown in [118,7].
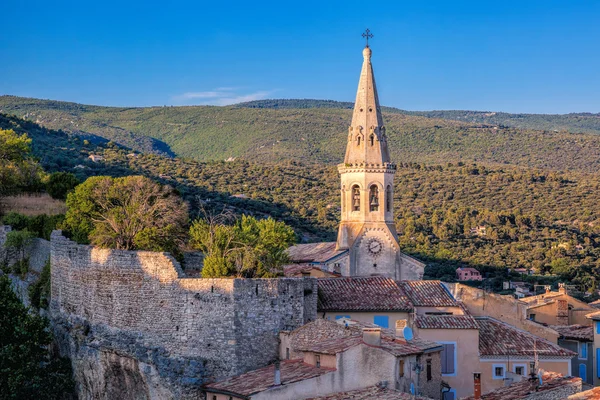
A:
[37,252]
[136,327]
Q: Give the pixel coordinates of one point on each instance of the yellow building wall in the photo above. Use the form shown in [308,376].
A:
[488,383]
[545,313]
[467,356]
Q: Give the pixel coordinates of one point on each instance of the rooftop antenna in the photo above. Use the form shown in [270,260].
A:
[367,35]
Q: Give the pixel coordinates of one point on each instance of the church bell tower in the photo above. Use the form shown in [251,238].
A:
[367,227]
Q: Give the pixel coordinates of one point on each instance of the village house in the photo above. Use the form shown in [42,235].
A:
[548,386]
[468,274]
[595,319]
[580,340]
[96,157]
[435,315]
[557,308]
[325,357]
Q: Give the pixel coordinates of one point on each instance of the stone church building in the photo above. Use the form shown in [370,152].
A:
[367,243]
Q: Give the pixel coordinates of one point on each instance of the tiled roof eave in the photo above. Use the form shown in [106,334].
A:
[354,309]
[484,357]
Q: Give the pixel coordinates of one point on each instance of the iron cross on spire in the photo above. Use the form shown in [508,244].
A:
[367,35]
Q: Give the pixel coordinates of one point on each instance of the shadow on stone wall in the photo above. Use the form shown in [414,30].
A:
[135,326]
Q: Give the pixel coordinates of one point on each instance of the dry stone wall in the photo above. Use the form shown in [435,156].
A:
[134,314]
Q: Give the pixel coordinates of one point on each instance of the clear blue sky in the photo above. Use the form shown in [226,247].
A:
[516,56]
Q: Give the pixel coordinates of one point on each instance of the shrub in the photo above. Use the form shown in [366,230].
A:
[60,184]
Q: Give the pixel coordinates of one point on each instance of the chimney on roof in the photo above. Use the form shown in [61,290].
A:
[548,288]
[277,377]
[372,336]
[562,288]
[400,325]
[477,385]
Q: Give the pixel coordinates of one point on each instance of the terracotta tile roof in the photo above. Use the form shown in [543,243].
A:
[317,331]
[595,304]
[401,347]
[592,394]
[362,294]
[295,270]
[594,315]
[446,322]
[575,332]
[524,388]
[497,338]
[328,337]
[370,393]
[261,379]
[332,346]
[428,293]
[313,252]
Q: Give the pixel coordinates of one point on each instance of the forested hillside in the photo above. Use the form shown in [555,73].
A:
[306,134]
[447,214]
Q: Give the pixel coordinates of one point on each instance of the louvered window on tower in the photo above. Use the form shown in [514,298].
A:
[388,199]
[374,198]
[355,198]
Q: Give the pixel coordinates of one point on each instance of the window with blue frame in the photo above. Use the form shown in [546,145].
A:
[382,321]
[583,371]
[598,362]
[583,347]
[342,316]
[598,327]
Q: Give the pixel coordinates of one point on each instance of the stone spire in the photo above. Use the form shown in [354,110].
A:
[367,141]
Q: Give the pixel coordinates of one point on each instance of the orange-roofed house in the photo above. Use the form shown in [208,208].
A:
[326,358]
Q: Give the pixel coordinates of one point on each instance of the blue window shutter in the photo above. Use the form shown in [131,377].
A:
[598,327]
[583,372]
[382,321]
[584,350]
[598,362]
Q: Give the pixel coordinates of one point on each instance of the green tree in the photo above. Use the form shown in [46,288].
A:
[18,169]
[17,241]
[129,213]
[250,248]
[27,369]
[60,184]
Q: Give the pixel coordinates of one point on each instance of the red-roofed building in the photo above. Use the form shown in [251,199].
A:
[326,358]
[554,386]
[468,274]
[579,339]
[595,319]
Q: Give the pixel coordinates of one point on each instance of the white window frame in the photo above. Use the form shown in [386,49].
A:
[579,346]
[514,369]
[455,358]
[494,366]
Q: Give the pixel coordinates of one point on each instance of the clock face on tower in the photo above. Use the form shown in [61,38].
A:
[374,246]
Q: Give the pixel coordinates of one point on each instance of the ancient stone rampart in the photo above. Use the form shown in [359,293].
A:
[133,323]
[37,253]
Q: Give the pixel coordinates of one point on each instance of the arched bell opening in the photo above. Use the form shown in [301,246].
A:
[374,198]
